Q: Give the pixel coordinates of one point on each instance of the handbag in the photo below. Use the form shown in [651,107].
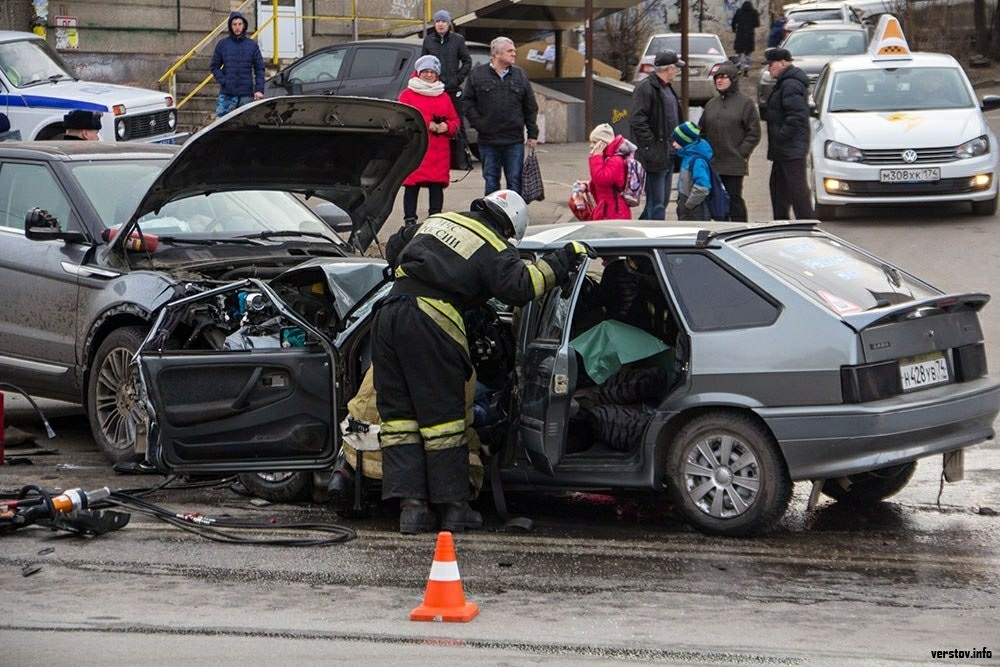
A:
[461,156]
[532,188]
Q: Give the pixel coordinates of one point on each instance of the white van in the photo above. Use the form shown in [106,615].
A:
[37,88]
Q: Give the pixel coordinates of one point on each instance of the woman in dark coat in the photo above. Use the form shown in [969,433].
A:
[745,21]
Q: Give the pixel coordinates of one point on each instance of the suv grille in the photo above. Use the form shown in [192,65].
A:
[147,125]
[895,155]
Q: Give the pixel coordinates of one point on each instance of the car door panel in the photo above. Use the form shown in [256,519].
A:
[247,410]
[377,71]
[549,375]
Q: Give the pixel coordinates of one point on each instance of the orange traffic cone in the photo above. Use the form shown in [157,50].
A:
[444,599]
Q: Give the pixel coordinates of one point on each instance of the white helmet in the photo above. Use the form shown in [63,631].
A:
[510,206]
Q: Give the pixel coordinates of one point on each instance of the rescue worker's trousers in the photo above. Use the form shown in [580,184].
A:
[421,363]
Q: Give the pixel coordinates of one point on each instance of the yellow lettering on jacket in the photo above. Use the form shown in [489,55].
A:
[455,236]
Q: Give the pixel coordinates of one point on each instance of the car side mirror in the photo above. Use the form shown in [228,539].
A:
[40,225]
[279,79]
[334,216]
[990,102]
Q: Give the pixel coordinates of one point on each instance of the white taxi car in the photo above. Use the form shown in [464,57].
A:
[897,127]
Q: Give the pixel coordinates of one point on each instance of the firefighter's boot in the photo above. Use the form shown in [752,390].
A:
[458,516]
[415,516]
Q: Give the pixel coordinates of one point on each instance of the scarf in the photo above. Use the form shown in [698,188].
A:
[421,87]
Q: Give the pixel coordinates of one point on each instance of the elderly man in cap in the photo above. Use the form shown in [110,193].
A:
[656,111]
[82,125]
[449,48]
[788,137]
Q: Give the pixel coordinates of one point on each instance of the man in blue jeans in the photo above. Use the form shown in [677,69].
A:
[238,67]
[656,111]
[500,104]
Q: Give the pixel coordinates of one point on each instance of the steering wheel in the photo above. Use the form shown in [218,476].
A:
[325,76]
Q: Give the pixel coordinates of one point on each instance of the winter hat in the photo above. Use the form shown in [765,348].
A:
[603,132]
[777,55]
[442,15]
[727,69]
[664,58]
[686,133]
[427,62]
[79,119]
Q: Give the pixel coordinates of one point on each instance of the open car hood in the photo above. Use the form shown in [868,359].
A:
[354,152]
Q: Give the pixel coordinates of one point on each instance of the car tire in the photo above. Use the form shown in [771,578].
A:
[278,487]
[717,498]
[113,406]
[988,207]
[870,487]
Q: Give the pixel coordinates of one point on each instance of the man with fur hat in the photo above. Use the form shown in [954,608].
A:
[788,137]
[730,124]
[82,125]
[449,48]
[655,112]
[238,67]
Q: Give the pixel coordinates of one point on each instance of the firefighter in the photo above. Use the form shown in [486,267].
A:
[449,263]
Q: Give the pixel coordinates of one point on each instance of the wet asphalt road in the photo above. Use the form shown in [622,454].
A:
[599,581]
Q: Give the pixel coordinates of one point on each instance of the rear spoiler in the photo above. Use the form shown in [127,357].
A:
[948,303]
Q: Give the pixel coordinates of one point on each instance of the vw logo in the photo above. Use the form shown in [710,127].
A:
[909,156]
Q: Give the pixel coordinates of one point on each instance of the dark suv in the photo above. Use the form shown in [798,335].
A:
[715,362]
[368,68]
[229,203]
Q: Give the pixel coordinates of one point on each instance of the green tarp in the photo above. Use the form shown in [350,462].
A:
[610,344]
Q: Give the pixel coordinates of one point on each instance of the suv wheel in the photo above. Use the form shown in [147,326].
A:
[870,487]
[727,475]
[112,397]
[278,487]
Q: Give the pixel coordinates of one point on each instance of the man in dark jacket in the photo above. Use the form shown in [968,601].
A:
[238,67]
[656,111]
[500,104]
[788,137]
[731,125]
[450,49]
[745,21]
[444,267]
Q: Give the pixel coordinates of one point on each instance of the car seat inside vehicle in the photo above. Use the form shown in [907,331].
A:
[623,335]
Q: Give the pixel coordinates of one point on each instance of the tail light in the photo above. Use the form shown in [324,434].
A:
[970,362]
[871,382]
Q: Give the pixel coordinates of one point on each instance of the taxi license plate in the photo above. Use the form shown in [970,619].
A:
[926,175]
[923,371]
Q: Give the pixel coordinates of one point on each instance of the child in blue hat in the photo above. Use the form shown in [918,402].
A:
[694,181]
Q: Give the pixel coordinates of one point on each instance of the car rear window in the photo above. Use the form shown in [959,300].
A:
[825,42]
[696,45]
[816,15]
[840,277]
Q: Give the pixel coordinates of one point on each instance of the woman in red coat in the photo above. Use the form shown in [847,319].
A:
[426,93]
[607,174]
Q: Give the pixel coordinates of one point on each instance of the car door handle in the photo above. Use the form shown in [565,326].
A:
[244,398]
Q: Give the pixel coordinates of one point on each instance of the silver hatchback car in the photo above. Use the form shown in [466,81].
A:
[717,363]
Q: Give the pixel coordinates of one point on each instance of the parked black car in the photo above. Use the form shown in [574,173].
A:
[368,68]
[228,204]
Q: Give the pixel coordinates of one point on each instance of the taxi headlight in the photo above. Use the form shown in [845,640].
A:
[978,146]
[837,151]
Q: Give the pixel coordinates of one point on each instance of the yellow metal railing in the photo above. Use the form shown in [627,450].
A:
[170,76]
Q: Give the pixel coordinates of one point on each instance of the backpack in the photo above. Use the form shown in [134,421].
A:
[635,180]
[718,198]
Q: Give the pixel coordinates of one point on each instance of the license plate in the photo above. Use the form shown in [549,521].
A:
[695,71]
[925,175]
[166,141]
[923,371]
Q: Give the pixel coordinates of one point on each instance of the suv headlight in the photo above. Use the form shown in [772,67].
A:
[121,129]
[838,151]
[978,146]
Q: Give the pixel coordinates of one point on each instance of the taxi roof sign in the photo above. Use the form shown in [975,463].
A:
[889,42]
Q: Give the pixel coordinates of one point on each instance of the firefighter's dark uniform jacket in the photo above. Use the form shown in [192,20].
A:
[420,353]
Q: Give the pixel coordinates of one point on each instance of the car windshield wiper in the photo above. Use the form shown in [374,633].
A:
[277,233]
[203,241]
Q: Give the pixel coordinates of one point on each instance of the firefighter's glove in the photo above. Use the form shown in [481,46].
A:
[577,251]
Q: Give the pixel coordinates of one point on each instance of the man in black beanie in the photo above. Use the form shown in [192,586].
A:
[82,125]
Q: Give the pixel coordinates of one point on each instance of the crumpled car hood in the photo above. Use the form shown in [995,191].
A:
[354,152]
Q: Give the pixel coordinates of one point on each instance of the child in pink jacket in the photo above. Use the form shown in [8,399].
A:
[607,173]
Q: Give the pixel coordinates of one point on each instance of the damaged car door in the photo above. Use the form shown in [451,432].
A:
[548,374]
